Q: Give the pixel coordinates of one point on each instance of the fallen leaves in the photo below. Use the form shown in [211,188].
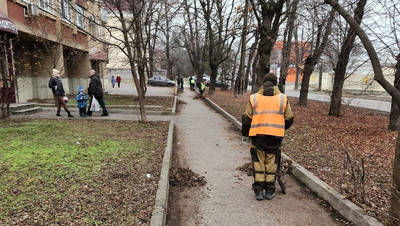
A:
[183,177]
[318,142]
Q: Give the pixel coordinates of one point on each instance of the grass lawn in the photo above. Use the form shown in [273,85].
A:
[79,172]
[320,142]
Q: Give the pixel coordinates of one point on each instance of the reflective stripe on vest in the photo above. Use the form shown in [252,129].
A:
[268,115]
[202,86]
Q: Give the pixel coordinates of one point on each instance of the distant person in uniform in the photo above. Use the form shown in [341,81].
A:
[192,83]
[118,80]
[201,87]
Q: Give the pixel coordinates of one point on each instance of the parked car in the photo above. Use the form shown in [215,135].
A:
[160,81]
[217,84]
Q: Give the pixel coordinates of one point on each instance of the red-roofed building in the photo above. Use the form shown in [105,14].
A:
[276,58]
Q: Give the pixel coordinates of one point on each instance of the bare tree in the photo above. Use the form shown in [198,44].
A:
[395,201]
[152,28]
[269,17]
[343,59]
[170,9]
[394,116]
[287,44]
[127,34]
[194,38]
[7,78]
[220,33]
[322,34]
[389,38]
[243,41]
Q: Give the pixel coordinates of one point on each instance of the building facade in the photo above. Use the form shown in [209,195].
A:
[60,34]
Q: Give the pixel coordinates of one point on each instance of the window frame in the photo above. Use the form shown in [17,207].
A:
[46,5]
[80,16]
[65,10]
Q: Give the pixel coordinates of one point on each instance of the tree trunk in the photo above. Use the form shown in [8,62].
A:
[237,78]
[268,30]
[343,59]
[239,81]
[395,199]
[299,58]
[308,70]
[287,45]
[213,77]
[255,86]
[312,60]
[394,123]
[321,70]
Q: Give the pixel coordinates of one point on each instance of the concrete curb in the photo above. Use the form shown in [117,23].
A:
[345,207]
[159,214]
[174,106]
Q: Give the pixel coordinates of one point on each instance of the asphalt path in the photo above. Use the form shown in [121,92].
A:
[355,101]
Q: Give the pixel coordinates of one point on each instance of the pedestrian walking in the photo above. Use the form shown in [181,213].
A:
[81,99]
[55,83]
[118,80]
[96,90]
[267,116]
[113,81]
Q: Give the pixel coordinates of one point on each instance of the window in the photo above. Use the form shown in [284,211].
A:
[92,26]
[80,22]
[99,31]
[65,10]
[46,5]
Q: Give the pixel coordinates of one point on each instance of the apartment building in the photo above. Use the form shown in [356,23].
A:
[61,34]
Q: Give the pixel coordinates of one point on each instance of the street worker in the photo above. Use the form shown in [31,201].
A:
[96,90]
[201,87]
[192,83]
[267,116]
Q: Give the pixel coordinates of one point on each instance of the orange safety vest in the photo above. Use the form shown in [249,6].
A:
[268,115]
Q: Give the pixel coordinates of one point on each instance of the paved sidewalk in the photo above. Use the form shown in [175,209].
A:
[212,148]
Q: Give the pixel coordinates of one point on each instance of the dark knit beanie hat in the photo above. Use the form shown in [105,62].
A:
[271,77]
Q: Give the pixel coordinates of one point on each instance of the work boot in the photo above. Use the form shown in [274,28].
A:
[259,194]
[270,193]
[69,114]
[58,113]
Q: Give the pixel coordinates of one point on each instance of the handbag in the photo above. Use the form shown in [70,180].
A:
[95,106]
